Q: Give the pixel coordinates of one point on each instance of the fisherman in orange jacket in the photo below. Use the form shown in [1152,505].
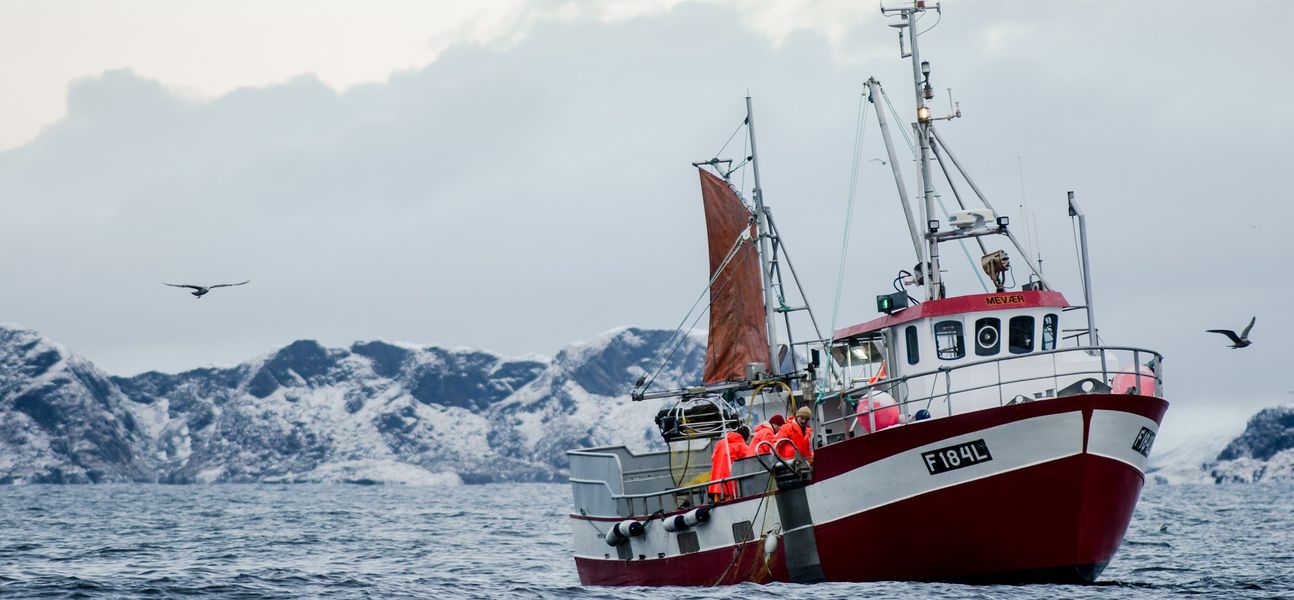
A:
[766,432]
[798,431]
[731,447]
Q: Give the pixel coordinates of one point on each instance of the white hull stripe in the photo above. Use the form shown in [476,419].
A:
[1118,435]
[1012,446]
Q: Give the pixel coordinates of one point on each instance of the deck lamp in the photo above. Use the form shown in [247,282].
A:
[933,224]
[1002,222]
[923,114]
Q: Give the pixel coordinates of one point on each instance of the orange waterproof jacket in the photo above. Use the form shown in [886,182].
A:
[763,433]
[731,448]
[798,436]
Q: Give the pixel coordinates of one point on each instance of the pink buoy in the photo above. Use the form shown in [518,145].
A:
[885,408]
[1128,382]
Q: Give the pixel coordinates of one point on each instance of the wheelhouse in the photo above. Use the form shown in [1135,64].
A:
[955,355]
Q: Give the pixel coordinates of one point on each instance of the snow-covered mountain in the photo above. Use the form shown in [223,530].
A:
[375,411]
[1264,452]
[1218,447]
[1187,459]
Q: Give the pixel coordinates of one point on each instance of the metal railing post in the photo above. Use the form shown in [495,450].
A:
[1055,375]
[1159,376]
[1136,369]
[948,390]
[1000,399]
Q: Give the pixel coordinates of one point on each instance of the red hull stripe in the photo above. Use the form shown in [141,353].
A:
[958,305]
[733,564]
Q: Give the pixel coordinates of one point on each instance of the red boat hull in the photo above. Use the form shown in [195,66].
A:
[1060,520]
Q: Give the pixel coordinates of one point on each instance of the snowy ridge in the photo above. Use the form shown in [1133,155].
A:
[375,412]
[1264,452]
[1188,460]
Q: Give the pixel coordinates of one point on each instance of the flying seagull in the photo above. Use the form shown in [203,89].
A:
[201,290]
[1237,341]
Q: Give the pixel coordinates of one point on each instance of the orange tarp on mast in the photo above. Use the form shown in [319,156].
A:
[738,333]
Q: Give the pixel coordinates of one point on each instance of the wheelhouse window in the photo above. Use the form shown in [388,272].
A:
[861,358]
[948,340]
[1021,335]
[988,338]
[1049,325]
[914,350]
[858,352]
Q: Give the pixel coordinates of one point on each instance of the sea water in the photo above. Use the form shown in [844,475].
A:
[513,541]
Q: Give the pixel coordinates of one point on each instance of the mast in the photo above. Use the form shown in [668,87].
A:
[873,87]
[921,87]
[1075,211]
[761,231]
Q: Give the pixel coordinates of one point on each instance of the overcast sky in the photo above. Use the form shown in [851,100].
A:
[515,176]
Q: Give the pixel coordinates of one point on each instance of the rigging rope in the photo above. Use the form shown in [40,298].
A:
[734,134]
[939,199]
[860,129]
[740,549]
[676,339]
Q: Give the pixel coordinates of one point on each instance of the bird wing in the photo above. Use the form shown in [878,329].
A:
[183,285]
[1245,333]
[1226,332]
[230,284]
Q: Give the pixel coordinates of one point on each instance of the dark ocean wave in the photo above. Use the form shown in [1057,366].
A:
[513,541]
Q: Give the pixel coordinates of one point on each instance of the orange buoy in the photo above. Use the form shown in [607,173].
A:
[885,408]
[1140,383]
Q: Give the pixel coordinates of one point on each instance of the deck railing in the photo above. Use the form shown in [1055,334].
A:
[1093,375]
[598,475]
[599,497]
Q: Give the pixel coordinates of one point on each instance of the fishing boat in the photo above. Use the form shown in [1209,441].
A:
[981,437]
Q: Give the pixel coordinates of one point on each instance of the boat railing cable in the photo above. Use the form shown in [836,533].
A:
[890,386]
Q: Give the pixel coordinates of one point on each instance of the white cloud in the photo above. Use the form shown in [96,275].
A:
[207,49]
[534,190]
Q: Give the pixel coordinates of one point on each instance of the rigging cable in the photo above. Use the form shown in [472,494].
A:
[938,198]
[772,226]
[938,19]
[746,156]
[676,339]
[859,130]
[734,134]
[934,149]
[740,548]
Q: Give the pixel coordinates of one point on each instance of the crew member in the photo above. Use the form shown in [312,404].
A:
[796,430]
[766,432]
[729,448]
